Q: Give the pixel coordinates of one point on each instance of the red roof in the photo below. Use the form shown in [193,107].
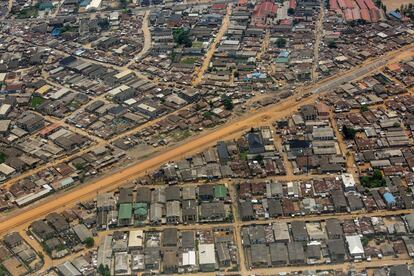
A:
[361,4]
[375,17]
[265,8]
[370,4]
[292,4]
[342,4]
[348,4]
[333,5]
[348,15]
[365,15]
[356,14]
[220,6]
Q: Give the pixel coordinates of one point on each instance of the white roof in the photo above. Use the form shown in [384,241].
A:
[130,102]
[5,108]
[348,180]
[118,90]
[135,238]
[94,4]
[354,245]
[189,258]
[206,254]
[59,94]
[122,74]
[6,169]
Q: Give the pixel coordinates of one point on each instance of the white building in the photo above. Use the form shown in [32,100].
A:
[207,257]
[356,250]
[349,182]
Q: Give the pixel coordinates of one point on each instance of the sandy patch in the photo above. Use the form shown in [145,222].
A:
[395,4]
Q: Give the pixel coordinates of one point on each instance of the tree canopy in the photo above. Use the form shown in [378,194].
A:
[181,37]
[281,42]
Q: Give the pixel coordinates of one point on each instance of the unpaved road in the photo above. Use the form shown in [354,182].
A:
[212,49]
[196,144]
[147,39]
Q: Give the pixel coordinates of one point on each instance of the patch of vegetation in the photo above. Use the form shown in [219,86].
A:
[281,42]
[188,60]
[182,36]
[332,44]
[364,108]
[79,166]
[375,180]
[181,135]
[29,12]
[243,155]
[348,132]
[104,270]
[60,247]
[197,44]
[89,242]
[208,114]
[258,158]
[47,248]
[2,157]
[364,241]
[69,29]
[291,11]
[123,4]
[35,101]
[3,271]
[227,102]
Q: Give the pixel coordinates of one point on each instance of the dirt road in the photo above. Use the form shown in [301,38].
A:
[196,144]
[147,39]
[318,38]
[212,49]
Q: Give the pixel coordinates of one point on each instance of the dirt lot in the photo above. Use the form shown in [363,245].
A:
[395,4]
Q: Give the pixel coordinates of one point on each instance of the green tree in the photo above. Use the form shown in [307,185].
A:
[364,241]
[348,132]
[182,37]
[364,108]
[332,44]
[123,3]
[291,11]
[281,42]
[228,103]
[2,157]
[79,166]
[375,180]
[259,158]
[89,242]
[104,270]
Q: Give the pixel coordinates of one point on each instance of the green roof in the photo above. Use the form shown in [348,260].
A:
[220,191]
[125,211]
[282,60]
[140,209]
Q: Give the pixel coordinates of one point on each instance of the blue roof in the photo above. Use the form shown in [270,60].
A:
[283,54]
[395,14]
[389,198]
[56,32]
